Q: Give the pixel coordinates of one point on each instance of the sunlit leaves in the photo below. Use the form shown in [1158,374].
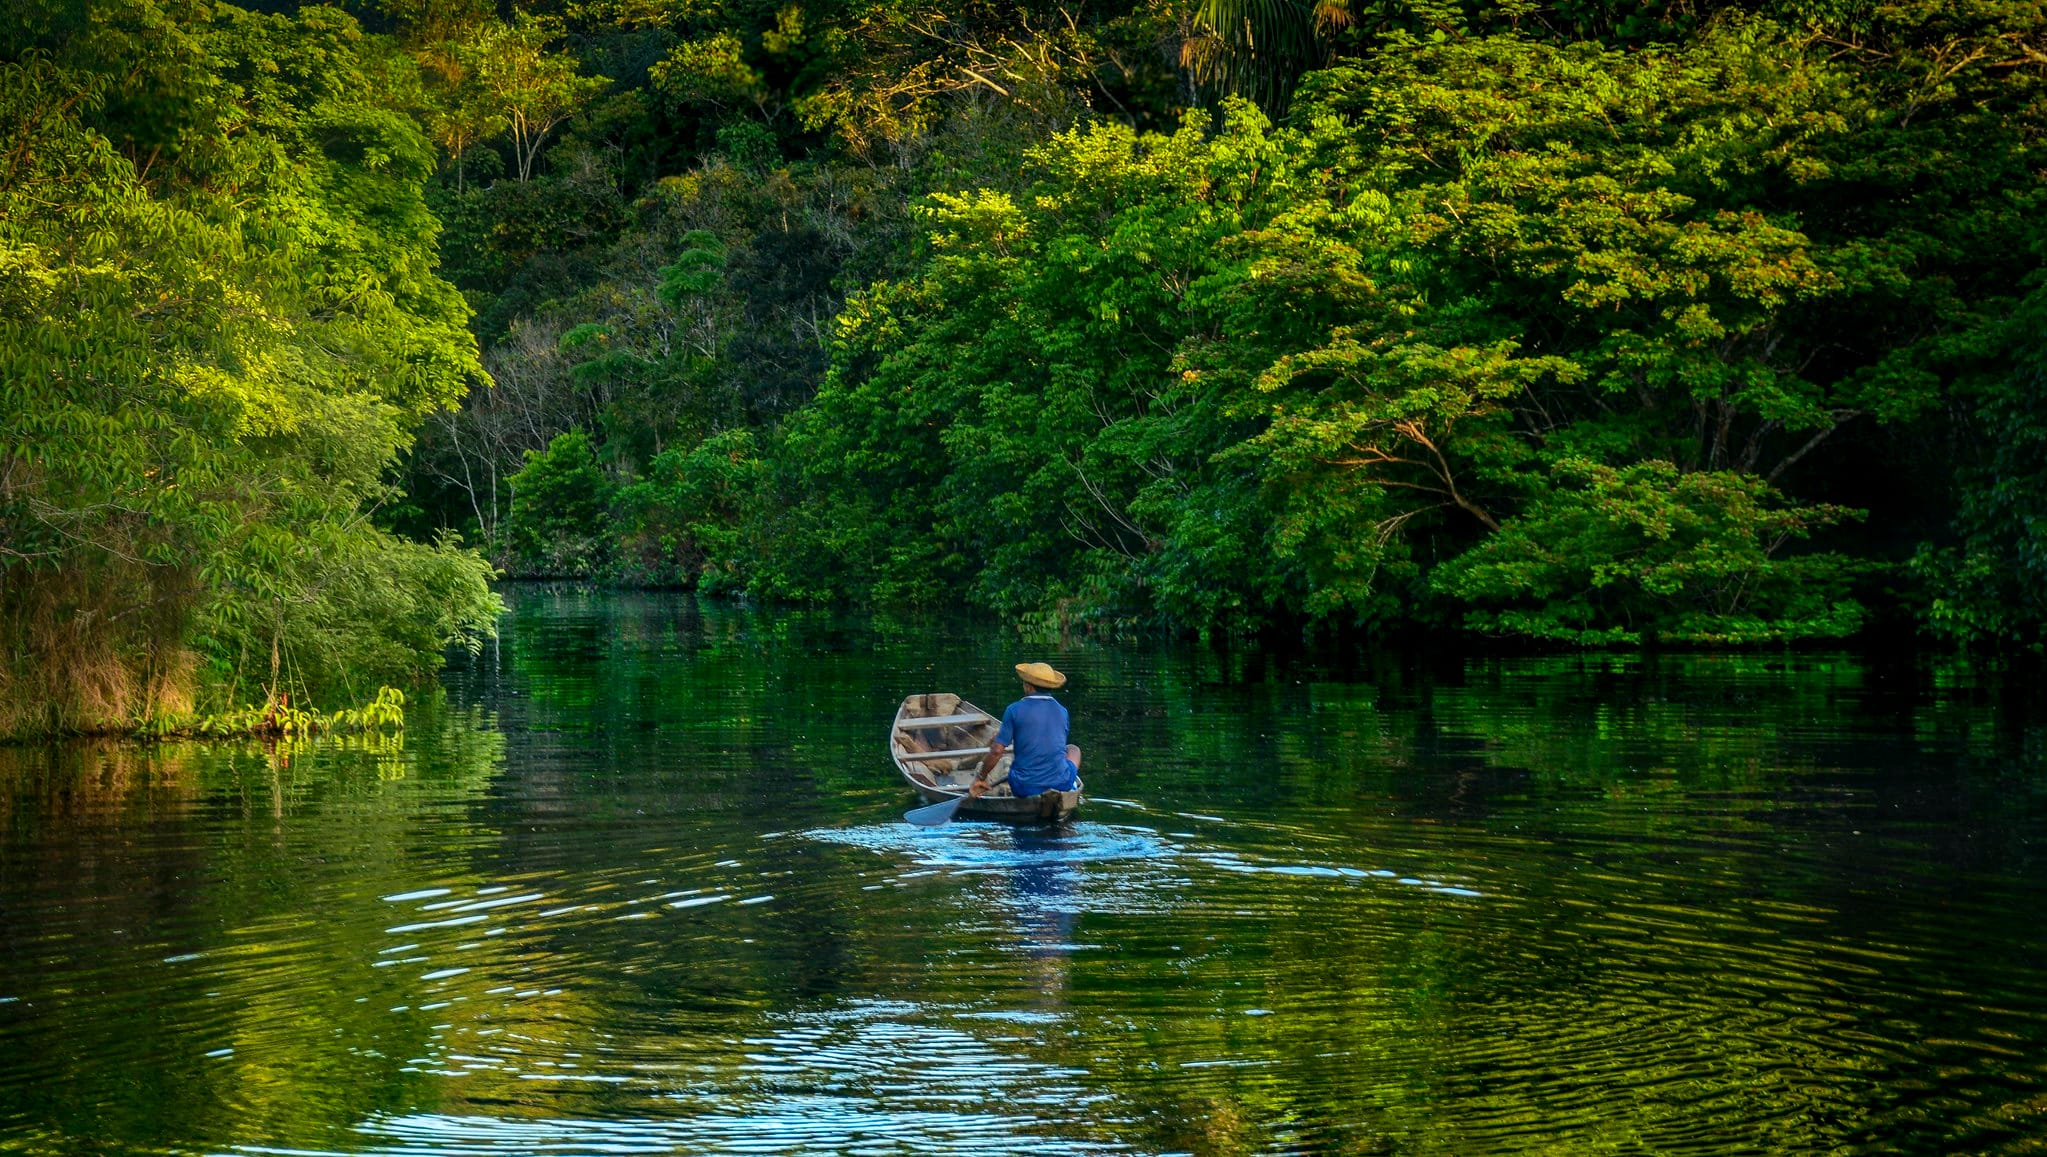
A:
[223,343]
[530,88]
[708,71]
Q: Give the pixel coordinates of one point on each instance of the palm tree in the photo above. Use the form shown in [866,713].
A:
[1258,49]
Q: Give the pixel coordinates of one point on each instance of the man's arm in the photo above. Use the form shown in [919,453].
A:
[980,785]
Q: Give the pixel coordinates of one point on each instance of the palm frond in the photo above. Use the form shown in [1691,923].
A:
[1258,49]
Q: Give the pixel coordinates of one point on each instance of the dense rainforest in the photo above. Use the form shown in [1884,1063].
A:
[1596,322]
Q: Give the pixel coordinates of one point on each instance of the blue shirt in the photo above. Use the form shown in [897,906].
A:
[1035,727]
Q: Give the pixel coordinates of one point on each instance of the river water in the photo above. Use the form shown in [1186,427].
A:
[638,883]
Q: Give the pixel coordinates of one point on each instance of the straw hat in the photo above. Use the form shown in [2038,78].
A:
[1040,675]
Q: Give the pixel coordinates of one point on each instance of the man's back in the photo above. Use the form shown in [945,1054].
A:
[1035,728]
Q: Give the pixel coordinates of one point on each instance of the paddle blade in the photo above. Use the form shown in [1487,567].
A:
[932,815]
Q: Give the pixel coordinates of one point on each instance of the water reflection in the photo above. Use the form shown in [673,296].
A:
[639,885]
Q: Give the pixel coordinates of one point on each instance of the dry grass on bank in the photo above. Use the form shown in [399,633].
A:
[86,657]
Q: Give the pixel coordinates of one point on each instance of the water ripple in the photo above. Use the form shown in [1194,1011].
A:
[650,894]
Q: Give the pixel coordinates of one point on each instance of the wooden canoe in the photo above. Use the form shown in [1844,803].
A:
[938,742]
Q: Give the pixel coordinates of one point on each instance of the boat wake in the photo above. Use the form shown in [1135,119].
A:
[963,849]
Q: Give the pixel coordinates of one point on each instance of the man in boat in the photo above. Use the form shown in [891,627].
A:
[1036,727]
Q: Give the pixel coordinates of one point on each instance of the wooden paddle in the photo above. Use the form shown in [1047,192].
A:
[933,815]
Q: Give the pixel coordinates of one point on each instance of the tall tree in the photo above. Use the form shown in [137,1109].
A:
[531,88]
[219,322]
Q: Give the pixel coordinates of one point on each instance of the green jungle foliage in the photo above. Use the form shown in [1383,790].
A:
[560,501]
[1580,322]
[219,325]
[1587,324]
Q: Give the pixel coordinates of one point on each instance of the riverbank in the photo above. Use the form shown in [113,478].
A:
[383,713]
